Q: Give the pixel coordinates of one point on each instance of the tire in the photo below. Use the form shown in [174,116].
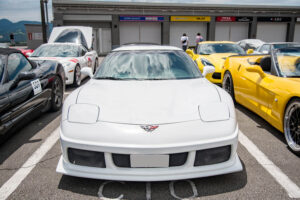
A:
[57,94]
[292,125]
[227,84]
[77,76]
[96,65]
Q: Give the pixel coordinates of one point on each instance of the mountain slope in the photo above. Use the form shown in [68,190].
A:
[18,28]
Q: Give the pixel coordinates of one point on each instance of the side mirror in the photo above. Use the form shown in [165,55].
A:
[190,52]
[256,69]
[26,76]
[208,70]
[21,77]
[87,71]
[250,51]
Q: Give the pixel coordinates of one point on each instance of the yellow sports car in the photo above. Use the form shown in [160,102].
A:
[269,85]
[214,53]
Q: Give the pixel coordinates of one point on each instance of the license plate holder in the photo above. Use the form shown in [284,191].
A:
[149,161]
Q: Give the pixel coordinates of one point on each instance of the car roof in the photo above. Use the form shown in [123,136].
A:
[62,43]
[8,51]
[141,47]
[251,40]
[217,42]
[282,43]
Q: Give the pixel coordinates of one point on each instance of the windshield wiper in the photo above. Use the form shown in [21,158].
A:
[108,78]
[147,79]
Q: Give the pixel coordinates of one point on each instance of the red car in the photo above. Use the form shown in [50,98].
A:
[26,51]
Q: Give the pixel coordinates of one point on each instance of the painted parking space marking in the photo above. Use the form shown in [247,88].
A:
[101,188]
[191,183]
[148,191]
[291,188]
[12,184]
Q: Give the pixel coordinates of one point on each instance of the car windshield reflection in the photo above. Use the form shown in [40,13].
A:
[147,65]
[206,49]
[288,61]
[56,50]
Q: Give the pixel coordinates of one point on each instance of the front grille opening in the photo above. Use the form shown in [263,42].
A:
[175,160]
[216,75]
[121,160]
[212,156]
[86,158]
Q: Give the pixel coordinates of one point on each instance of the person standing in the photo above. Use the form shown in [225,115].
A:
[199,38]
[184,41]
[12,39]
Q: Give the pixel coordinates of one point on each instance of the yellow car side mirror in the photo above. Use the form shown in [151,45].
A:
[250,51]
[190,52]
[256,69]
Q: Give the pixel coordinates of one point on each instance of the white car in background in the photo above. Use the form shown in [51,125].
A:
[148,114]
[250,43]
[266,48]
[71,46]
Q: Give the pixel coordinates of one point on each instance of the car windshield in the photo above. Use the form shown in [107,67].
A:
[55,50]
[284,45]
[148,65]
[2,63]
[210,48]
[288,61]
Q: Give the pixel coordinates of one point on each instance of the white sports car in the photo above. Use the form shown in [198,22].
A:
[69,45]
[148,114]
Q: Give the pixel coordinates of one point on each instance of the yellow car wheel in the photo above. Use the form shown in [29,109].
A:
[227,84]
[292,125]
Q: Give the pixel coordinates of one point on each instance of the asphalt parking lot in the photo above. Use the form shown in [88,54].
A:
[271,170]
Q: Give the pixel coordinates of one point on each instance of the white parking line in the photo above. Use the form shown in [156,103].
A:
[11,185]
[292,189]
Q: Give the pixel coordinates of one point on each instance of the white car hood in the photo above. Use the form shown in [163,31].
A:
[86,31]
[148,102]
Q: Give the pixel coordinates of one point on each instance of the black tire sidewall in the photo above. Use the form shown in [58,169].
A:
[77,67]
[288,108]
[54,107]
[226,76]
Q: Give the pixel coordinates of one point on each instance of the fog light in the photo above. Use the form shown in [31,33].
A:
[212,156]
[86,158]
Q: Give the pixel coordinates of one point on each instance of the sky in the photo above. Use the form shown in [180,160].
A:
[17,10]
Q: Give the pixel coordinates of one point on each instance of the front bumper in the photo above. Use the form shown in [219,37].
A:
[185,171]
[149,174]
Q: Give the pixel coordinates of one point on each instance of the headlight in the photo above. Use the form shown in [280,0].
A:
[206,62]
[211,112]
[66,64]
[83,113]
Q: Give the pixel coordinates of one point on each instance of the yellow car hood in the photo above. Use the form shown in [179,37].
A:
[217,59]
[297,80]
